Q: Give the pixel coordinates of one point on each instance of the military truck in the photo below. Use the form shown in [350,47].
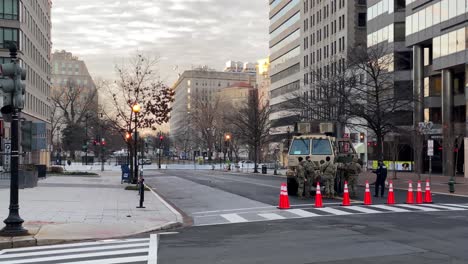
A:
[319,146]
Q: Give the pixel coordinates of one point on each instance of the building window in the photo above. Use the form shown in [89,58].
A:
[362,19]
[8,34]
[9,9]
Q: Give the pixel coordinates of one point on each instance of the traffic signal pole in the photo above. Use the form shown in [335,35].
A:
[14,223]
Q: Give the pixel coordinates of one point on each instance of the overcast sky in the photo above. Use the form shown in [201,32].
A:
[181,32]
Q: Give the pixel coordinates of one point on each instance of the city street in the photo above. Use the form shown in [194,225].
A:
[232,218]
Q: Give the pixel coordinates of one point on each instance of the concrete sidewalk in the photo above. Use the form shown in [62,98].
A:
[439,183]
[69,208]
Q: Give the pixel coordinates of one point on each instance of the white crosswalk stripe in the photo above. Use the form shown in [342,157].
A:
[265,214]
[99,252]
[302,213]
[363,210]
[334,211]
[272,216]
[458,205]
[234,218]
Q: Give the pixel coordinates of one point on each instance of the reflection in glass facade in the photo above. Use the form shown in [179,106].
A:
[292,37]
[435,14]
[285,25]
[287,56]
[382,7]
[9,9]
[283,11]
[274,4]
[449,43]
[381,35]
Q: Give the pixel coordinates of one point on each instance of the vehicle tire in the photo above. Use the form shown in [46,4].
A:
[292,186]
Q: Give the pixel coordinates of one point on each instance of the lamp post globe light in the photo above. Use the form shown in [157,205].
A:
[136,109]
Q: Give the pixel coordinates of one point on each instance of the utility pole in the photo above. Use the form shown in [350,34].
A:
[14,90]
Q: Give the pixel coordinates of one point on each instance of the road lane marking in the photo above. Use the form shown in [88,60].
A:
[391,208]
[333,211]
[153,249]
[72,250]
[78,256]
[234,218]
[418,207]
[443,207]
[231,210]
[302,213]
[272,216]
[363,210]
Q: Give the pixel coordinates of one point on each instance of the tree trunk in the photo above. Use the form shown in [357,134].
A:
[380,147]
[255,159]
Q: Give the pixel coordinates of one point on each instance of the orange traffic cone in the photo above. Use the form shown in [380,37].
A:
[391,195]
[427,193]
[284,198]
[318,197]
[409,196]
[367,195]
[419,199]
[346,200]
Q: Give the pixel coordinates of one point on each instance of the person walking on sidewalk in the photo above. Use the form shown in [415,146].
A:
[380,180]
[300,174]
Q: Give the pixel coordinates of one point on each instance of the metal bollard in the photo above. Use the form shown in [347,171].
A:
[141,190]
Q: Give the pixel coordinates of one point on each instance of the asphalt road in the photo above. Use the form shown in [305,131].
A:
[235,220]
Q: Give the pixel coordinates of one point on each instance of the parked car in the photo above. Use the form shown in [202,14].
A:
[245,164]
[144,162]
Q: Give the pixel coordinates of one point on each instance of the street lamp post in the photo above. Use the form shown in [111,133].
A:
[136,109]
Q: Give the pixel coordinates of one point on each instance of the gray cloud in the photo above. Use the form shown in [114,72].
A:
[181,32]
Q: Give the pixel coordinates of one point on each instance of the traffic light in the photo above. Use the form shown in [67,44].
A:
[227,137]
[103,142]
[161,138]
[128,136]
[95,142]
[361,137]
[13,88]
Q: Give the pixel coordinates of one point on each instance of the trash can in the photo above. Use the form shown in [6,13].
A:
[125,173]
[264,169]
[41,171]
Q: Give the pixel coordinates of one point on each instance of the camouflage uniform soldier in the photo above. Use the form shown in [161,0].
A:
[353,169]
[329,171]
[309,174]
[300,174]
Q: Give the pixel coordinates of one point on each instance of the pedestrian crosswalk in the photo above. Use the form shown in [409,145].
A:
[269,214]
[140,250]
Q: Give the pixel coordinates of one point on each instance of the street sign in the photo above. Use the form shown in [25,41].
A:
[6,157]
[430,147]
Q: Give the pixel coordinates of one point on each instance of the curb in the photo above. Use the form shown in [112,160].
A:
[182,218]
[31,241]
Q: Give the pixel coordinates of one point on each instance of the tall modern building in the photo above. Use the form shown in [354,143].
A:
[331,28]
[28,23]
[285,57]
[437,33]
[386,34]
[198,84]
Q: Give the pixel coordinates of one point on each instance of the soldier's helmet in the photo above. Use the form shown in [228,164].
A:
[355,159]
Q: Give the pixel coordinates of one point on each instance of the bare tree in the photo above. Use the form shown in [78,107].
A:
[206,119]
[138,83]
[252,123]
[359,93]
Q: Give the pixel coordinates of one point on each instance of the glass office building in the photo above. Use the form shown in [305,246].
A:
[436,33]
